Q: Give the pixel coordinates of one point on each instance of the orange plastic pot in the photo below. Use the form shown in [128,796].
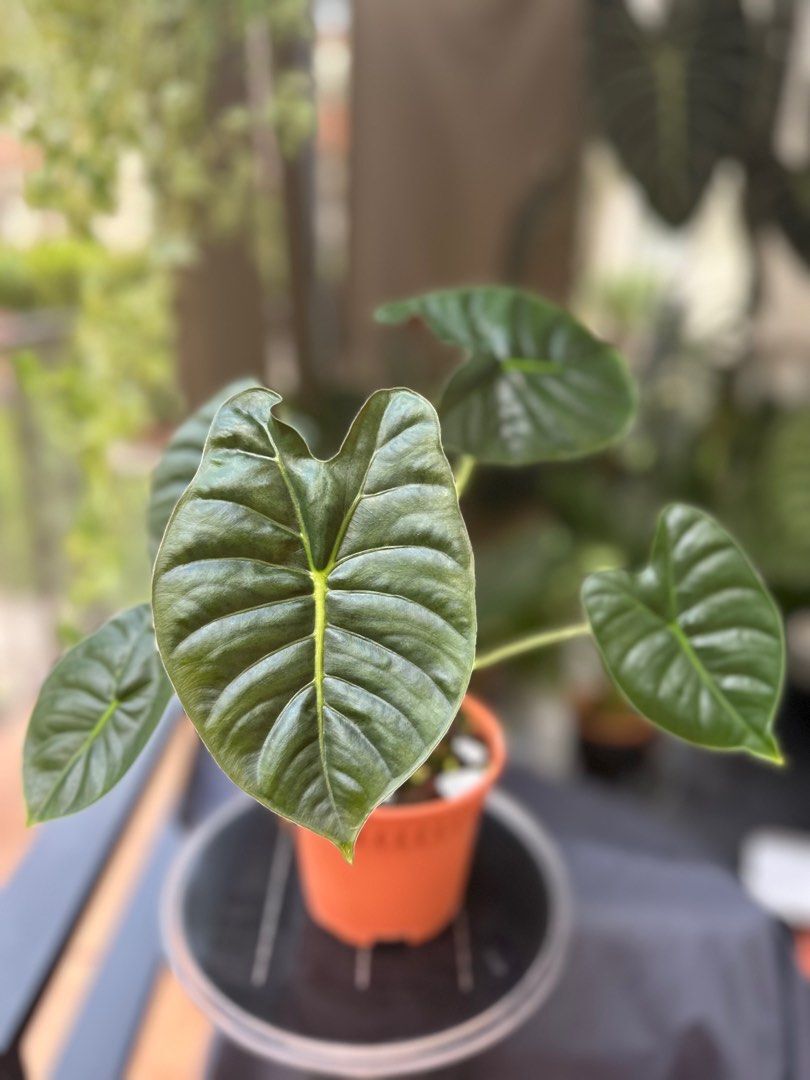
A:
[411,863]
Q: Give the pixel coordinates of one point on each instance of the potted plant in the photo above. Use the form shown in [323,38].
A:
[317,618]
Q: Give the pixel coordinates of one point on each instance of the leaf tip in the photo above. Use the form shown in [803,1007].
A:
[773,756]
[346,849]
[769,750]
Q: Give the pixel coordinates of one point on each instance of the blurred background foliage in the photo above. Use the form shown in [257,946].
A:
[103,377]
[89,82]
[109,98]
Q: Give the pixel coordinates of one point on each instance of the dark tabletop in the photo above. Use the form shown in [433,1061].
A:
[673,973]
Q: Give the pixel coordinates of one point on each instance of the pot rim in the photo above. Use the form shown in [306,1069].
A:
[486,724]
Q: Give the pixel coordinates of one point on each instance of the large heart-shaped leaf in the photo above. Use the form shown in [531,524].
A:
[181,458]
[536,385]
[317,618]
[95,713]
[694,640]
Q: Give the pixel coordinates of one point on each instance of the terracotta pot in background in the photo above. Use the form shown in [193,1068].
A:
[613,741]
[411,863]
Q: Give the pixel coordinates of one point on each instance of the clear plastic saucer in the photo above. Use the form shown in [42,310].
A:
[239,939]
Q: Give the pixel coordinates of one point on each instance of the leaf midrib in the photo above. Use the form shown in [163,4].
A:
[95,731]
[85,744]
[320,576]
[528,365]
[682,638]
[319,623]
[677,631]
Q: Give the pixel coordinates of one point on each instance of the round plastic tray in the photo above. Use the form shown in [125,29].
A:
[239,939]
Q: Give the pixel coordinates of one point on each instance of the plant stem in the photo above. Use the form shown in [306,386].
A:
[529,643]
[462,473]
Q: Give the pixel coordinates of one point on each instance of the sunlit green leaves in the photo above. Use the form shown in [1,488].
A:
[180,460]
[317,618]
[694,640]
[94,715]
[536,385]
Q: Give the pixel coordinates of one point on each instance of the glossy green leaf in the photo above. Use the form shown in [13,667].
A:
[94,715]
[181,458]
[536,385]
[694,640]
[317,618]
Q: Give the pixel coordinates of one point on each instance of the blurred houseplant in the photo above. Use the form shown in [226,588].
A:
[709,78]
[317,618]
[679,92]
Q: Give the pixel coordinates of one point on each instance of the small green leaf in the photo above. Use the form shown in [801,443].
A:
[536,385]
[694,640]
[181,458]
[94,715]
[317,618]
